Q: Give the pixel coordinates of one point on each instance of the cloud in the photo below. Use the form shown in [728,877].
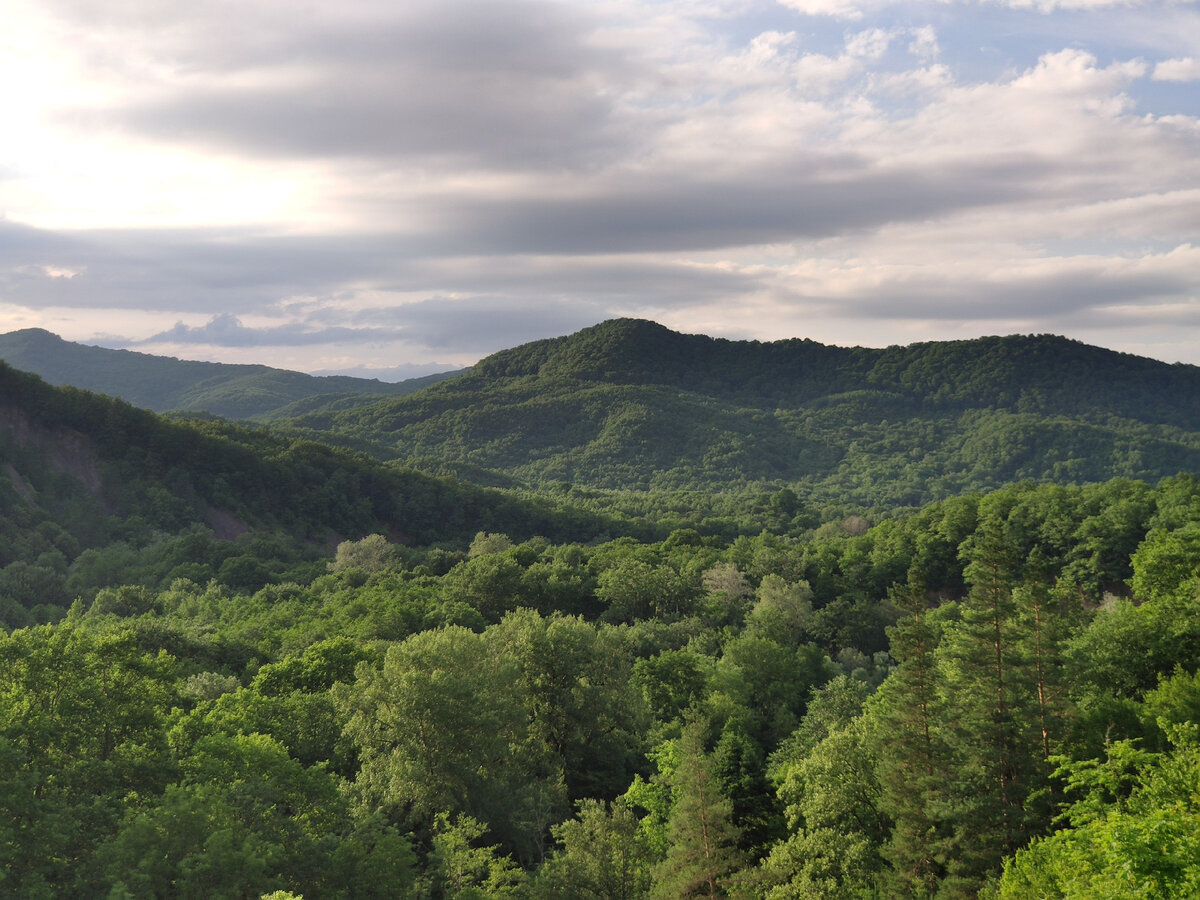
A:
[463,83]
[924,42]
[1050,6]
[483,324]
[475,326]
[1074,290]
[840,9]
[365,183]
[857,9]
[227,330]
[870,44]
[391,373]
[1187,69]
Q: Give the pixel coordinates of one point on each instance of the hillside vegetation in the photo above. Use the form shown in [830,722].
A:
[163,384]
[631,405]
[234,662]
[94,492]
[997,693]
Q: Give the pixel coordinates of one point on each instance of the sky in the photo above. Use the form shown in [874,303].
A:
[392,188]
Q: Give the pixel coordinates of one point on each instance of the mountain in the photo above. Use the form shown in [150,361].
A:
[162,383]
[631,404]
[95,492]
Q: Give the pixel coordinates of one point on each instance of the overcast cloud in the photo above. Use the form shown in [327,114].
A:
[360,185]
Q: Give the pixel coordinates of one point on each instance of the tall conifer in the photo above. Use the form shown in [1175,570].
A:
[912,764]
[990,724]
[703,850]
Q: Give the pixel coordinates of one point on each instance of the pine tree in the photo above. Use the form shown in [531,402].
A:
[1045,611]
[912,761]
[991,716]
[1044,626]
[703,842]
[740,768]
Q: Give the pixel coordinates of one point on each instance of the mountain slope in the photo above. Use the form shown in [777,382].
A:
[81,470]
[630,404]
[162,383]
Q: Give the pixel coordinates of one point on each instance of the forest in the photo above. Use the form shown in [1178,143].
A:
[238,663]
[630,405]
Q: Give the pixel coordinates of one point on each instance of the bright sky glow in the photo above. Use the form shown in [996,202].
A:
[337,184]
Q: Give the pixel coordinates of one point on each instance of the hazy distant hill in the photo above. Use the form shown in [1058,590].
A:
[630,404]
[162,383]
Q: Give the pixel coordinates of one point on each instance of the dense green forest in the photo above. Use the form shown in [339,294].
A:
[238,663]
[164,384]
[627,413]
[629,404]
[96,493]
[997,693]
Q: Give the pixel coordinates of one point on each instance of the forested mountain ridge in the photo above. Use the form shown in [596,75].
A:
[1017,372]
[94,491]
[164,384]
[631,404]
[1020,373]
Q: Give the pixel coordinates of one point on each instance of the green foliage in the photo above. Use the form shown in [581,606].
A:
[634,589]
[1166,564]
[464,871]
[671,682]
[630,405]
[874,707]
[740,766]
[603,854]
[913,758]
[81,729]
[702,840]
[247,818]
[101,494]
[783,612]
[1127,646]
[1175,702]
[318,668]
[574,681]
[371,554]
[442,728]
[489,584]
[1134,833]
[835,820]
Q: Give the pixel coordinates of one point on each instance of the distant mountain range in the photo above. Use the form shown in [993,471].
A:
[164,384]
[631,404]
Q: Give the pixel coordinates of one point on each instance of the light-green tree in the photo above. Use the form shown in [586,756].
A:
[574,680]
[462,867]
[82,727]
[837,827]
[1145,844]
[782,612]
[370,554]
[603,855]
[443,728]
[246,818]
